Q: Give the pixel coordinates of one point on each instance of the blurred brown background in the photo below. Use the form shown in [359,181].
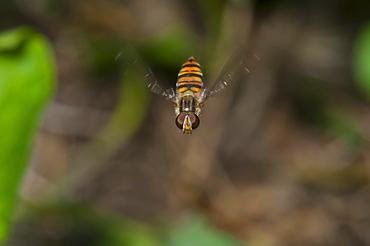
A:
[281,158]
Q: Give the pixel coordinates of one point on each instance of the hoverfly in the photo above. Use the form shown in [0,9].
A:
[189,94]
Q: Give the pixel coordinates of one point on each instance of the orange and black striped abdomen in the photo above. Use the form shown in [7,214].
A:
[190,77]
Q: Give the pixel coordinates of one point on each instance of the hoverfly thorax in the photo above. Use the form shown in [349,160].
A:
[187,104]
[186,110]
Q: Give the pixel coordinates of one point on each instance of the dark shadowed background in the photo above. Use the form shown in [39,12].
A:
[281,157]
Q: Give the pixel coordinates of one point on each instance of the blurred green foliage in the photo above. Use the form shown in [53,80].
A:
[170,47]
[345,128]
[82,225]
[361,60]
[125,120]
[99,53]
[130,109]
[79,224]
[241,2]
[314,106]
[27,76]
[196,231]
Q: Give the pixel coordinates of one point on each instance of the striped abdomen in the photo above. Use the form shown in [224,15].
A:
[190,77]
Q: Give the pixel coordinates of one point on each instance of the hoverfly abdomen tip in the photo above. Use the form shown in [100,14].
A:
[191,58]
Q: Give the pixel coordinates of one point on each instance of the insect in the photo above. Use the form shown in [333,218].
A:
[190,94]
[189,97]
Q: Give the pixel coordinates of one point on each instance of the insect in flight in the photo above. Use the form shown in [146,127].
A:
[190,95]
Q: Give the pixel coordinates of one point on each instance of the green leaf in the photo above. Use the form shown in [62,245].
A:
[361,60]
[196,232]
[27,76]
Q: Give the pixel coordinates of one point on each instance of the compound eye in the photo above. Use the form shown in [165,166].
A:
[195,121]
[180,120]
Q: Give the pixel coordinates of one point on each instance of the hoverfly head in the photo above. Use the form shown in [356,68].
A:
[187,122]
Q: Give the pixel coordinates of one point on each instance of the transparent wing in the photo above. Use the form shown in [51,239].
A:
[134,64]
[237,67]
